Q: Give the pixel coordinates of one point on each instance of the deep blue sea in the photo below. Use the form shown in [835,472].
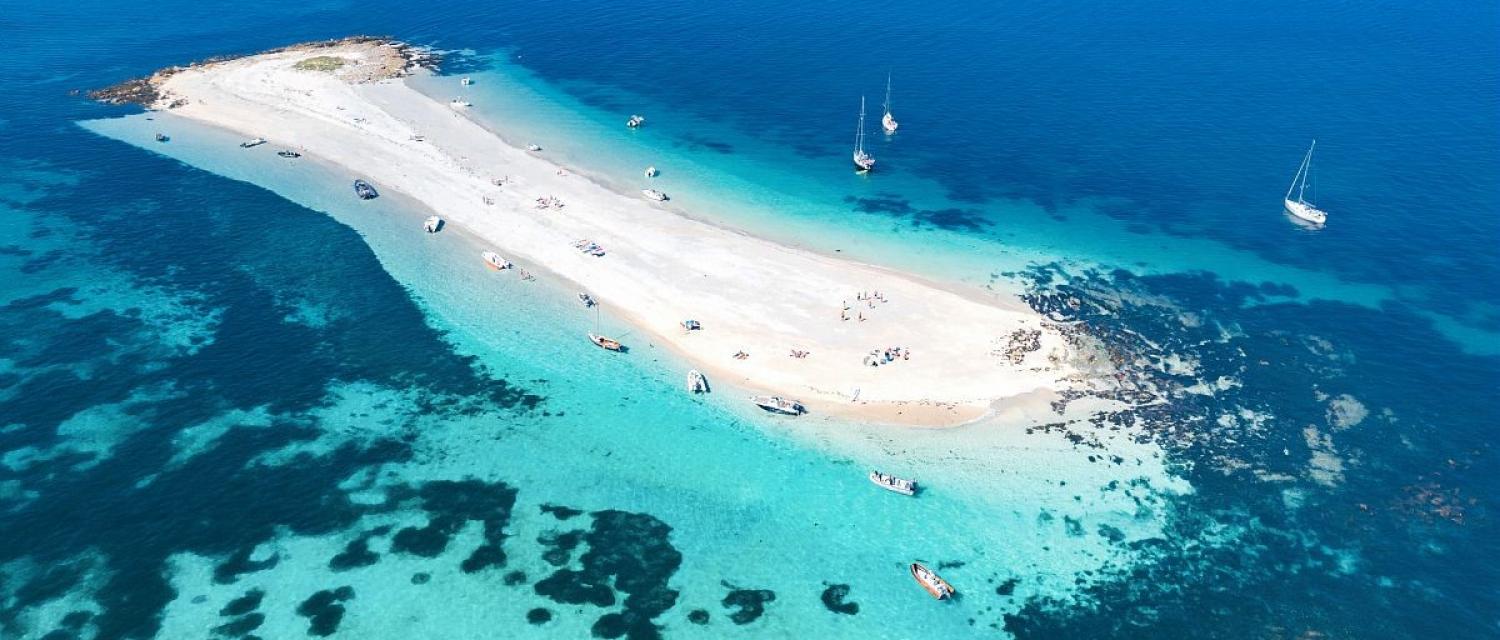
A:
[232,405]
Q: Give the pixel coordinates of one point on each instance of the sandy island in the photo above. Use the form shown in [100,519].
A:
[967,352]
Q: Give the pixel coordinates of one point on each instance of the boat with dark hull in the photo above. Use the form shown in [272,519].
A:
[365,191]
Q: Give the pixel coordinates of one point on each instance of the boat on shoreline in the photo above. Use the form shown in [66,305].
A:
[779,405]
[495,261]
[892,483]
[533,147]
[932,582]
[365,191]
[696,383]
[605,342]
[863,161]
[635,121]
[655,195]
[432,224]
[651,172]
[459,103]
[888,121]
[253,142]
[586,299]
[288,153]
[1300,207]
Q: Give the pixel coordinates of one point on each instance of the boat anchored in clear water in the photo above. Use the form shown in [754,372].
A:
[932,582]
[888,121]
[635,121]
[655,195]
[365,191]
[586,299]
[253,142]
[495,261]
[892,483]
[696,383]
[466,81]
[432,224]
[778,404]
[862,159]
[1300,207]
[651,172]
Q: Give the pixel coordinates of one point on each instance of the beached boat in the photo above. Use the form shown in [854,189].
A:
[606,342]
[932,582]
[459,103]
[495,261]
[1301,207]
[364,190]
[432,224]
[696,383]
[466,81]
[892,483]
[862,159]
[288,153]
[253,142]
[162,137]
[533,147]
[691,325]
[888,121]
[586,299]
[778,404]
[635,121]
[651,172]
[654,195]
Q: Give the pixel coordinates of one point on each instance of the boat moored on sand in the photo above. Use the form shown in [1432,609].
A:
[778,404]
[459,103]
[364,190]
[495,261]
[533,147]
[253,142]
[432,224]
[892,483]
[655,195]
[932,582]
[586,299]
[288,153]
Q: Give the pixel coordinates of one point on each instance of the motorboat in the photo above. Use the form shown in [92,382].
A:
[654,195]
[364,190]
[1300,207]
[610,344]
[862,159]
[288,153]
[651,172]
[932,582]
[892,483]
[691,325]
[696,383]
[459,103]
[586,299]
[432,224]
[253,142]
[533,147]
[162,137]
[466,81]
[635,121]
[778,404]
[495,261]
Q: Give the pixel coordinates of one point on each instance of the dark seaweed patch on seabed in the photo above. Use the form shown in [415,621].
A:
[324,610]
[747,605]
[893,205]
[134,509]
[632,552]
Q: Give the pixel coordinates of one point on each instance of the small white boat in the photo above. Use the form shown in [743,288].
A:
[932,582]
[432,224]
[253,142]
[586,299]
[162,137]
[654,195]
[888,121]
[696,383]
[466,81]
[533,147]
[892,483]
[1301,207]
[862,159]
[459,103]
[691,325]
[778,404]
[651,172]
[635,121]
[495,261]
[607,343]
[365,191]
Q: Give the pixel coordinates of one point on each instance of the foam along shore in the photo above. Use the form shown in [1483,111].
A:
[963,352]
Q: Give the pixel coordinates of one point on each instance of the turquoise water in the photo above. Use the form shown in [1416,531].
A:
[235,401]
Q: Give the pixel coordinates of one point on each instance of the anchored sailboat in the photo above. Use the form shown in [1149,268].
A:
[862,160]
[888,121]
[1301,207]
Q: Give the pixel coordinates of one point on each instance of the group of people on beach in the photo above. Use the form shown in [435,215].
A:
[869,298]
[879,357]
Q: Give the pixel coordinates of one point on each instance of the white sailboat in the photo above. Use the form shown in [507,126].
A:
[1301,207]
[862,160]
[888,121]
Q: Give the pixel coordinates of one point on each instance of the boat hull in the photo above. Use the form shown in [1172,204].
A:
[608,344]
[910,489]
[889,124]
[936,587]
[1305,211]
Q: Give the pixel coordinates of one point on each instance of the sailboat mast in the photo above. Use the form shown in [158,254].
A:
[859,134]
[1298,176]
[1306,169]
[887,104]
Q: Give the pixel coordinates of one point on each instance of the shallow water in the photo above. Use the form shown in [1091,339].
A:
[224,377]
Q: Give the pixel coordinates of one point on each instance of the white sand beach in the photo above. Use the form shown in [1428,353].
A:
[966,353]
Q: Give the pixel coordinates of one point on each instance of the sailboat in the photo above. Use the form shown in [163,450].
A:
[887,121]
[864,161]
[1301,207]
[604,342]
